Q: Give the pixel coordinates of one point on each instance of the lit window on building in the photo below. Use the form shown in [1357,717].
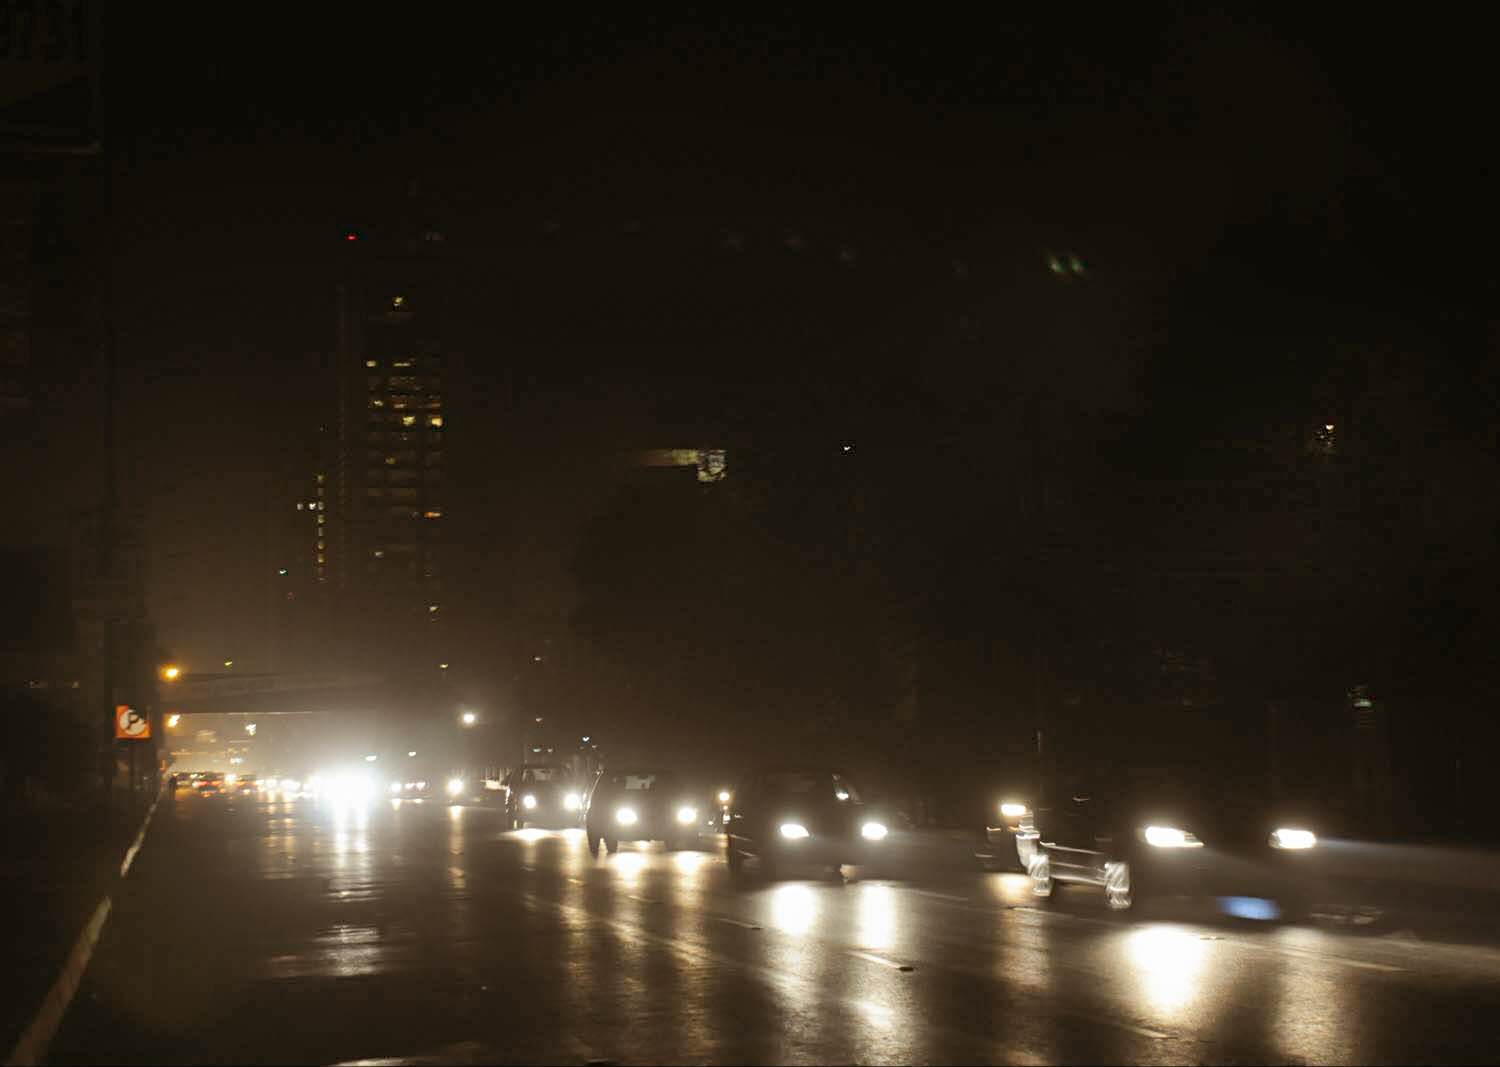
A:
[398,302]
[435,421]
[1326,437]
[379,553]
[390,461]
[432,609]
[299,505]
[322,519]
[403,364]
[400,403]
[376,402]
[322,559]
[434,513]
[321,546]
[372,363]
[408,420]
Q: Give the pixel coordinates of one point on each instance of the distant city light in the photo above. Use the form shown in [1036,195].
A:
[173,720]
[171,672]
[469,718]
[371,758]
[413,752]
[229,663]
[442,666]
[281,571]
[250,728]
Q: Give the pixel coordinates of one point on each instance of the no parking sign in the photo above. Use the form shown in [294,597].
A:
[130,724]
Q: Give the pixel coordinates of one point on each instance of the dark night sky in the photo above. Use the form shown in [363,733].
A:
[912,144]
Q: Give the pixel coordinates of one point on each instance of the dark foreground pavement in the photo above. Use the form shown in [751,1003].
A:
[289,931]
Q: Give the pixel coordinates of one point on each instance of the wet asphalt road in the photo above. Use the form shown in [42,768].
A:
[302,932]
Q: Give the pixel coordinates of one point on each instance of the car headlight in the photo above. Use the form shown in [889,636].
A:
[421,785]
[793,831]
[571,801]
[230,779]
[1012,810]
[625,816]
[873,831]
[455,786]
[395,787]
[1170,837]
[528,801]
[1286,837]
[686,815]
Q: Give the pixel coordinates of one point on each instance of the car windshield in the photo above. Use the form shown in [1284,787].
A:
[643,782]
[543,774]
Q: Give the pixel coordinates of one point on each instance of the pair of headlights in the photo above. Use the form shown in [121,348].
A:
[627,816]
[1285,837]
[871,830]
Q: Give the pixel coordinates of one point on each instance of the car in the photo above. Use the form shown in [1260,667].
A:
[641,805]
[210,784]
[410,789]
[803,817]
[542,794]
[246,785]
[1258,860]
[1008,836]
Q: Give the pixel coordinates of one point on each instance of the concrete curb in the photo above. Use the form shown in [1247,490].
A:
[32,1046]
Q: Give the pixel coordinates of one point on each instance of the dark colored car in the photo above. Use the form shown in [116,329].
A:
[642,805]
[542,794]
[1172,840]
[246,785]
[210,784]
[803,817]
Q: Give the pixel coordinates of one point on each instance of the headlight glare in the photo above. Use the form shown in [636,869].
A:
[571,802]
[395,787]
[455,786]
[1170,837]
[873,831]
[1290,838]
[686,815]
[625,816]
[528,801]
[793,831]
[1012,810]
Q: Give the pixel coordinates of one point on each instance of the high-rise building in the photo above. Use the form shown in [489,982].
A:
[379,495]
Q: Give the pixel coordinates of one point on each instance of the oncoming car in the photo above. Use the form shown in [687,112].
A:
[803,817]
[641,805]
[1139,844]
[542,794]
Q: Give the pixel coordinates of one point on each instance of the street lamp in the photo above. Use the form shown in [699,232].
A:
[469,718]
[173,720]
[171,672]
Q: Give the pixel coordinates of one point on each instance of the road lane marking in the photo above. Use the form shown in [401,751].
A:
[872,958]
[641,899]
[457,872]
[736,922]
[951,897]
[32,1047]
[576,881]
[140,839]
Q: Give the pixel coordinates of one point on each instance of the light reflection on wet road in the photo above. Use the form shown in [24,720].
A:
[293,931]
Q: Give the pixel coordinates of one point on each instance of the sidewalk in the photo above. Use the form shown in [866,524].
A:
[54,869]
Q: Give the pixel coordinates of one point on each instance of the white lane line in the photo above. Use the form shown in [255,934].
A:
[457,872]
[951,897]
[140,839]
[640,899]
[32,1047]
[872,958]
[576,881]
[735,922]
[1119,1024]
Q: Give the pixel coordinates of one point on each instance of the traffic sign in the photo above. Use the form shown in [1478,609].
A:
[130,724]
